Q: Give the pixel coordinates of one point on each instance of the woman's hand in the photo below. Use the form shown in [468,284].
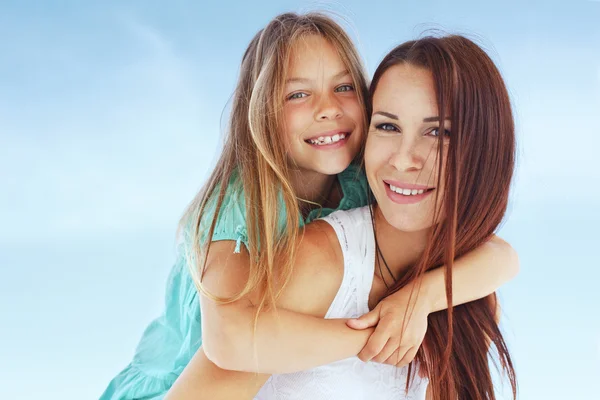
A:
[400,329]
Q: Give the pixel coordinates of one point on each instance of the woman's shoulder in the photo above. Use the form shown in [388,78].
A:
[351,221]
[327,242]
[319,268]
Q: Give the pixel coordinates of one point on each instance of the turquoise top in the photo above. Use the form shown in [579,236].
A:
[170,341]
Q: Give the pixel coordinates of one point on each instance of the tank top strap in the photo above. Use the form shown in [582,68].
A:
[354,230]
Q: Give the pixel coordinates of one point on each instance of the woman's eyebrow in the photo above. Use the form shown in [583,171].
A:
[434,119]
[386,114]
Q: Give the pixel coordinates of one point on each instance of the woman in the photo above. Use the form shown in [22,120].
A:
[439,161]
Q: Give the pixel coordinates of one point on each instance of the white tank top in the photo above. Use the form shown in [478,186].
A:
[349,379]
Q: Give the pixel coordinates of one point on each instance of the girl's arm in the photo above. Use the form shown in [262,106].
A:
[285,340]
[203,380]
[475,275]
[294,336]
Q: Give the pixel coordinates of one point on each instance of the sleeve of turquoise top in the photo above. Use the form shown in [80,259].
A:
[231,222]
[170,341]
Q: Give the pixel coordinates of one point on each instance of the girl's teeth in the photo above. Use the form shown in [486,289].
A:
[322,140]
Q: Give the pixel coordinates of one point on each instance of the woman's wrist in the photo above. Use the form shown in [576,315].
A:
[432,289]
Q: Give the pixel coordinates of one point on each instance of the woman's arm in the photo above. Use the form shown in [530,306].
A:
[293,337]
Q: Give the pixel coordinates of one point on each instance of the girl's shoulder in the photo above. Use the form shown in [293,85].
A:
[230,221]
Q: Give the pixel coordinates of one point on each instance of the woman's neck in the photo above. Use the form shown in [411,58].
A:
[399,249]
[313,187]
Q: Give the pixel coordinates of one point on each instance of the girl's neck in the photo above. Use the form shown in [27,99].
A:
[400,249]
[314,187]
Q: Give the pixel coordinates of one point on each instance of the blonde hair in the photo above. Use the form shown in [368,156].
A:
[260,161]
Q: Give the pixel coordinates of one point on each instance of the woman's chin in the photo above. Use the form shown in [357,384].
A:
[405,220]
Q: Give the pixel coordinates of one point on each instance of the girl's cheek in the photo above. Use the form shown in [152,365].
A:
[351,102]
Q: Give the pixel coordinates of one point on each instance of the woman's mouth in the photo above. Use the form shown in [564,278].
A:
[407,194]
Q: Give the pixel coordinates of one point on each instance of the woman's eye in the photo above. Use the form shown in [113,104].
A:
[436,132]
[298,95]
[387,128]
[344,88]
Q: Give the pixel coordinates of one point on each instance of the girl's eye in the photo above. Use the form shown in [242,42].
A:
[344,88]
[297,95]
[387,127]
[436,132]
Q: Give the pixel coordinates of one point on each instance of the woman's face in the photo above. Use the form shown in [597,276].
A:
[401,155]
[323,117]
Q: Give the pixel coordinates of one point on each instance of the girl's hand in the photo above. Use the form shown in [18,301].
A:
[399,332]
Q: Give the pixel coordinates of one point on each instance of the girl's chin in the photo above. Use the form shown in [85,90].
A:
[331,168]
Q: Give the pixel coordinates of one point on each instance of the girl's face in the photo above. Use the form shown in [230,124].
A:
[401,155]
[323,118]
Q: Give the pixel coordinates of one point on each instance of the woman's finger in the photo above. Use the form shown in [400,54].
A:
[366,321]
[408,356]
[374,346]
[388,350]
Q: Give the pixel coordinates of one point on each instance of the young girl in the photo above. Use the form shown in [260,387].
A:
[438,195]
[297,123]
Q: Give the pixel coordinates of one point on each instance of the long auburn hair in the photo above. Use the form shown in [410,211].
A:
[479,168]
[254,166]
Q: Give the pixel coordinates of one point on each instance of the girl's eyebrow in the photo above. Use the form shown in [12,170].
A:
[299,80]
[340,74]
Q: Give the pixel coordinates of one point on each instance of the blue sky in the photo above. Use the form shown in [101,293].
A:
[110,118]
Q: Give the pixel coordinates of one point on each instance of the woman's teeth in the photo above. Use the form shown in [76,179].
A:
[406,192]
[323,140]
